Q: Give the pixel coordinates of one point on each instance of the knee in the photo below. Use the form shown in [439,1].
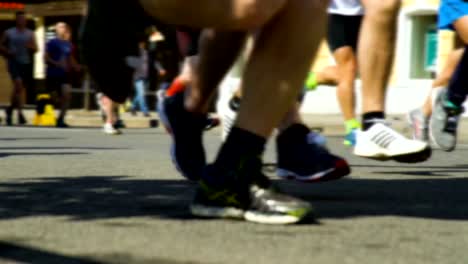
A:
[254,14]
[351,67]
[347,73]
[382,9]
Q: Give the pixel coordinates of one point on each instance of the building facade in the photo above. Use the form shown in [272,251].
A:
[421,52]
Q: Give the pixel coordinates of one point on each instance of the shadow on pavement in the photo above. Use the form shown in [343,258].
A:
[62,148]
[439,171]
[24,254]
[416,166]
[444,199]
[32,138]
[89,198]
[16,253]
[9,154]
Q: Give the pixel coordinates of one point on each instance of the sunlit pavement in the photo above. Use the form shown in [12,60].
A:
[78,196]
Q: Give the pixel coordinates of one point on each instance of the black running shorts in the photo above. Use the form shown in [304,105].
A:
[54,84]
[343,31]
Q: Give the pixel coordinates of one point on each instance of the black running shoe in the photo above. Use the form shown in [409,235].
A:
[186,130]
[304,160]
[109,37]
[119,124]
[21,119]
[61,123]
[253,201]
[8,116]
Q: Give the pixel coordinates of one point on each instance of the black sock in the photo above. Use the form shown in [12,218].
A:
[370,118]
[240,146]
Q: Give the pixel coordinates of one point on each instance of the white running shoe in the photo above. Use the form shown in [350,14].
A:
[381,142]
[227,115]
[109,129]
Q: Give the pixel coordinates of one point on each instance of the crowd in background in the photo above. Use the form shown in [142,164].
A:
[64,71]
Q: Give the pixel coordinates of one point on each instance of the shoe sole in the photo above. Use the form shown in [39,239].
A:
[341,170]
[293,217]
[113,133]
[216,212]
[250,216]
[414,157]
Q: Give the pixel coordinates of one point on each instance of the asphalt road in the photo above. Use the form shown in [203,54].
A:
[77,196]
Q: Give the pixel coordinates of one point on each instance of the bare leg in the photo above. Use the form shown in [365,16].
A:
[461,26]
[218,48]
[292,117]
[343,75]
[64,101]
[443,78]
[267,97]
[218,51]
[281,86]
[328,76]
[230,15]
[376,50]
[347,68]
[108,108]
[17,95]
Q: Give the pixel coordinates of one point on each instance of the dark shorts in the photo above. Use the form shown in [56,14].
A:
[19,71]
[54,84]
[343,31]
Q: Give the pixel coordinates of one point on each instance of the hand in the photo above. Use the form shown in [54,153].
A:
[162,73]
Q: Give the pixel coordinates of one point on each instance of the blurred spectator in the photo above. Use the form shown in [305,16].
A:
[60,66]
[109,111]
[141,80]
[18,44]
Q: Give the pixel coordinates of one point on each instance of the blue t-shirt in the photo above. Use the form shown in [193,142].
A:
[450,11]
[58,50]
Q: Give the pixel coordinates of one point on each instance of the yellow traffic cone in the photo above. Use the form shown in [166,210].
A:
[45,112]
